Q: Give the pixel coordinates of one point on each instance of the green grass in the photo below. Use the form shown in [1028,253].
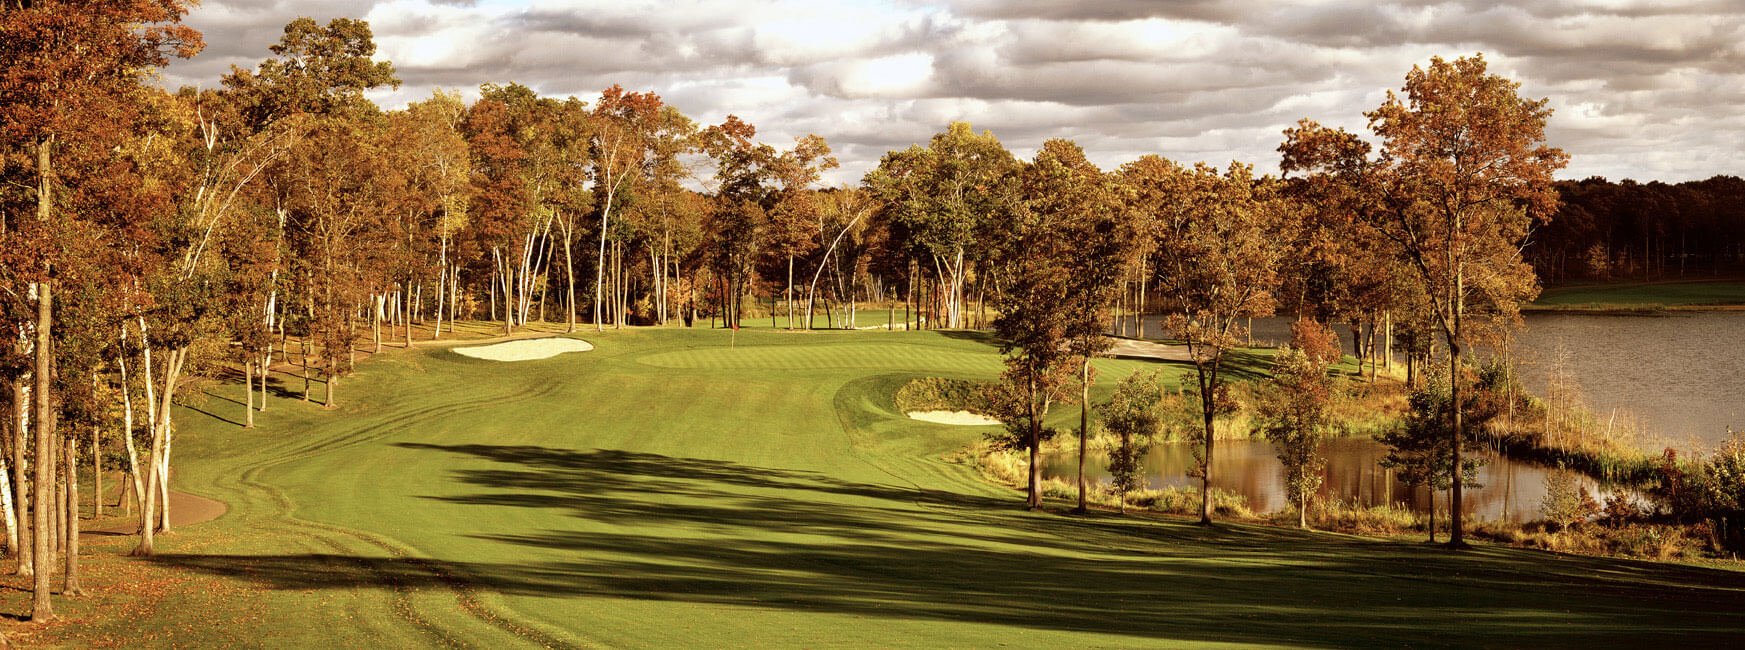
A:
[867,316]
[1643,296]
[666,490]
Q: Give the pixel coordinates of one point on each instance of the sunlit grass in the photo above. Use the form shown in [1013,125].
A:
[699,488]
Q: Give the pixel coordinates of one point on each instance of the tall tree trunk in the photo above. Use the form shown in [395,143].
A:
[305,360]
[97,472]
[1208,411]
[21,479]
[1084,427]
[600,262]
[58,523]
[248,394]
[1455,520]
[7,505]
[71,585]
[1432,490]
[41,608]
[160,415]
[1034,487]
[569,272]
[137,485]
[441,284]
[164,479]
[330,372]
[406,318]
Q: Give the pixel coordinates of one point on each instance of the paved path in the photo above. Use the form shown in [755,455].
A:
[1149,350]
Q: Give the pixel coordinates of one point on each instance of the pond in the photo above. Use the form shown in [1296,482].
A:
[1511,491]
[1678,378]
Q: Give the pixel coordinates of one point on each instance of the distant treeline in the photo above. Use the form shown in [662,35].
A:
[1643,231]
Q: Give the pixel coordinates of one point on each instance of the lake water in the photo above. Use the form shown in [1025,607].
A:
[1679,378]
[1511,491]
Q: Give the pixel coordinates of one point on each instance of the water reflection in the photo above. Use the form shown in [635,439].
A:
[1511,491]
[1679,378]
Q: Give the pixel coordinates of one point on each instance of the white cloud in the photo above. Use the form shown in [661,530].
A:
[1643,89]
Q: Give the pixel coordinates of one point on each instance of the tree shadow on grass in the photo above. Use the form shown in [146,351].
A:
[985,337]
[650,527]
[211,414]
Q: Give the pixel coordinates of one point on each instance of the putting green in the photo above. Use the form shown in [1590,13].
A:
[667,490]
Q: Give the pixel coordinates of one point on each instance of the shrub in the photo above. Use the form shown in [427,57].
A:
[1186,501]
[1567,503]
[1316,340]
[1339,516]
[940,394]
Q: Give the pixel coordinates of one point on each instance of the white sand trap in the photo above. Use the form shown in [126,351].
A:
[963,418]
[525,349]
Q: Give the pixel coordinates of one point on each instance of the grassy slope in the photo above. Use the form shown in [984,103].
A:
[1643,295]
[665,491]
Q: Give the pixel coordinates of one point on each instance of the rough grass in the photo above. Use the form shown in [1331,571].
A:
[941,394]
[667,491]
[1643,296]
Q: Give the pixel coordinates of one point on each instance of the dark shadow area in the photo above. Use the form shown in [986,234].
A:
[985,337]
[210,414]
[1245,365]
[805,541]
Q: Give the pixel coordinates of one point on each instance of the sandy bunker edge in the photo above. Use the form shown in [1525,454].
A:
[525,349]
[960,418]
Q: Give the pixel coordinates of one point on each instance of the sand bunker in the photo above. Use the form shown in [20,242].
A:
[964,418]
[525,349]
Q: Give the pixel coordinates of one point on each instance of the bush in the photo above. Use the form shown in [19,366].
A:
[1338,516]
[940,394]
[1186,501]
[1567,503]
[1317,341]
[1011,468]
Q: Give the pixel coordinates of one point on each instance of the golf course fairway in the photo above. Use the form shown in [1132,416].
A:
[684,489]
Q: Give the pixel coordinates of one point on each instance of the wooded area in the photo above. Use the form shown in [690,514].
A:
[1627,230]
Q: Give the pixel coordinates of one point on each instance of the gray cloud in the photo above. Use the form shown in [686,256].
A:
[1644,89]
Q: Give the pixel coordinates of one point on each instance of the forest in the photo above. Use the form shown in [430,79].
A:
[1642,231]
[153,238]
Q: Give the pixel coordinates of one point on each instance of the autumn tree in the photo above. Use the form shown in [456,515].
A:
[1420,446]
[504,194]
[623,134]
[308,96]
[794,206]
[1462,174]
[944,200]
[1294,416]
[431,150]
[333,202]
[1067,194]
[315,69]
[1134,414]
[72,73]
[1219,263]
[844,217]
[1061,244]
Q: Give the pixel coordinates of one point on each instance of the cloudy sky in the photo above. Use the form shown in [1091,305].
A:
[1649,89]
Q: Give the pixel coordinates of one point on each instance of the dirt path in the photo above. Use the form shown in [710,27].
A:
[185,509]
